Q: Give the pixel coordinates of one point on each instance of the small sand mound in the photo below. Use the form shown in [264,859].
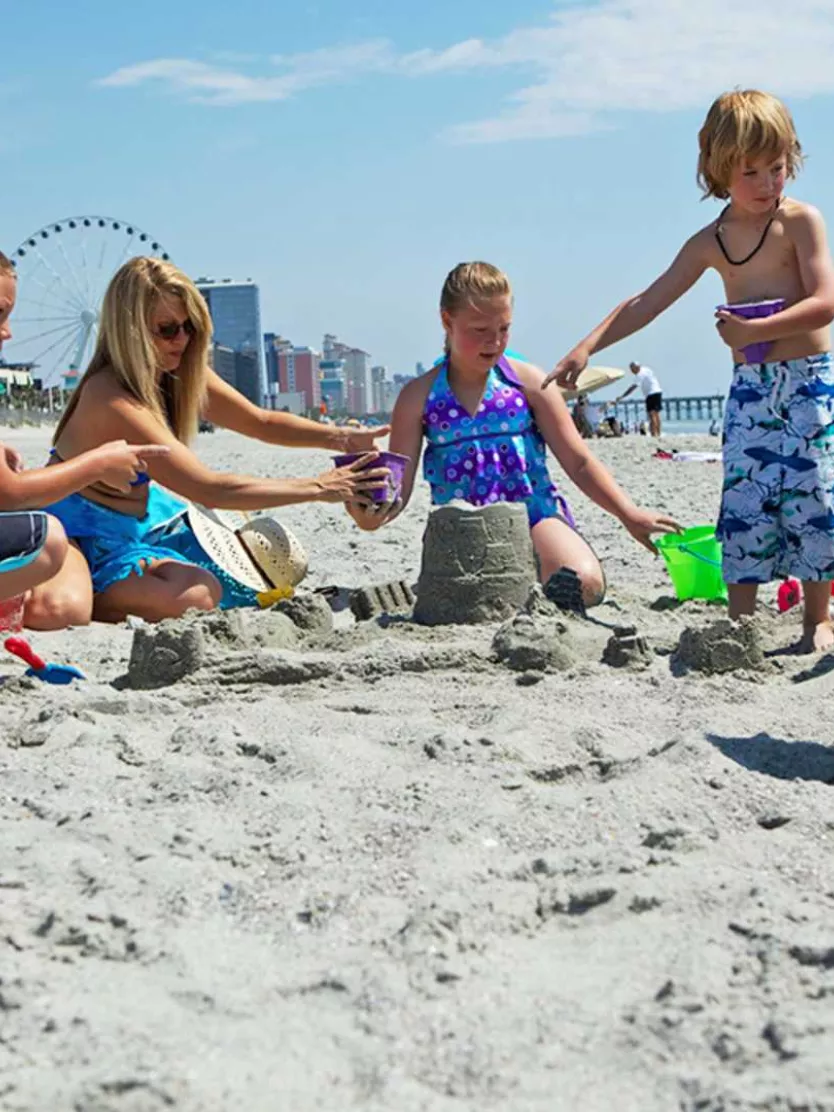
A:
[308,612]
[627,649]
[722,646]
[165,653]
[528,644]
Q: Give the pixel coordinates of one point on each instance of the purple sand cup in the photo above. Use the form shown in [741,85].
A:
[752,310]
[395,463]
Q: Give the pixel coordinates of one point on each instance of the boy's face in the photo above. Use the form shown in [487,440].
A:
[757,184]
[8,293]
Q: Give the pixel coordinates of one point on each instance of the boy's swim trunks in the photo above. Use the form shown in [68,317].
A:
[22,537]
[777,505]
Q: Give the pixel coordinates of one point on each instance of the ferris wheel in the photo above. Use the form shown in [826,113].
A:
[63,270]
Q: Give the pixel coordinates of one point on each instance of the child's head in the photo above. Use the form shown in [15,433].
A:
[476,308]
[748,148]
[8,293]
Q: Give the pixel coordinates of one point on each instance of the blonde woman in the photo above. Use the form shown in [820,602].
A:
[149,382]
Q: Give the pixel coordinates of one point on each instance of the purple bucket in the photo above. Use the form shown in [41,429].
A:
[752,310]
[396,465]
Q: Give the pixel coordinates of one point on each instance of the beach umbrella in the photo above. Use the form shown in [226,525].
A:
[591,379]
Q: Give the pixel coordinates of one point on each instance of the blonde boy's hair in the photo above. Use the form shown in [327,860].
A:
[744,125]
[7,269]
[126,348]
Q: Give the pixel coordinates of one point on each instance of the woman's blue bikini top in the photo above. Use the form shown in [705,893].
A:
[142,477]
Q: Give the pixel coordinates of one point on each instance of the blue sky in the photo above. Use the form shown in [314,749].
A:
[346,155]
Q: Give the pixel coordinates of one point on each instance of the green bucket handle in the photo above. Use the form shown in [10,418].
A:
[698,556]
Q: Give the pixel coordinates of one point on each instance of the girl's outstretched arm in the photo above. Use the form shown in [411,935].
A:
[638,311]
[582,466]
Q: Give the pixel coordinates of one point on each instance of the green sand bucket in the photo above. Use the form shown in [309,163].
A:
[693,560]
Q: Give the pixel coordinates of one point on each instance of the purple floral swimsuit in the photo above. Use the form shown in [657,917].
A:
[498,455]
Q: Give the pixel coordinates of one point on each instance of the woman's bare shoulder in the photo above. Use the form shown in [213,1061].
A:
[102,387]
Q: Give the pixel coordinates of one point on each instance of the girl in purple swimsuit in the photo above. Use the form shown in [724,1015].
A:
[487,426]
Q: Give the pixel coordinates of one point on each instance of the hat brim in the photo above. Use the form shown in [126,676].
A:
[221,543]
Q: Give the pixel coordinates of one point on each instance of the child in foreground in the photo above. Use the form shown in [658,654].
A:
[487,426]
[33,545]
[777,503]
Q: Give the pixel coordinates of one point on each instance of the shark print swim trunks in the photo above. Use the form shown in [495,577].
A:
[777,505]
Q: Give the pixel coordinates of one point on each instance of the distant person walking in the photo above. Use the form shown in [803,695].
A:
[648,383]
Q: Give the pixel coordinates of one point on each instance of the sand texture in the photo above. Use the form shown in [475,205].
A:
[292,860]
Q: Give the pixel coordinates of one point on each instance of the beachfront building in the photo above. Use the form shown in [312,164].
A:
[332,383]
[235,309]
[357,373]
[378,399]
[299,372]
[239,368]
[357,381]
[15,375]
[290,402]
[390,392]
[273,346]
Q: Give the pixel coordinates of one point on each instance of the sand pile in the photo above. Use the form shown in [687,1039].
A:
[289,859]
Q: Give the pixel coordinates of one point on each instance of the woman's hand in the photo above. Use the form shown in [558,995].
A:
[350,483]
[642,523]
[362,439]
[568,369]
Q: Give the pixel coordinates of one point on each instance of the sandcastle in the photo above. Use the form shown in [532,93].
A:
[478,564]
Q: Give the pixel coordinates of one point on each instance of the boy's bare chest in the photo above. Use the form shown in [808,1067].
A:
[756,263]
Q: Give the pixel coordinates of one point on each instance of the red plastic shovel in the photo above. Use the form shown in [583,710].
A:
[49,673]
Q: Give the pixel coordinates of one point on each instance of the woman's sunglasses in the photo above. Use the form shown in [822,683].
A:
[172,330]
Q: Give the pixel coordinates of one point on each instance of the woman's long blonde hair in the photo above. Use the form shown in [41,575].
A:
[125,345]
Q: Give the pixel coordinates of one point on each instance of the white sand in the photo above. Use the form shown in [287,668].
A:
[405,886]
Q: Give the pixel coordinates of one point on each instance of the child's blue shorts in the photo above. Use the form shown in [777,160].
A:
[777,502]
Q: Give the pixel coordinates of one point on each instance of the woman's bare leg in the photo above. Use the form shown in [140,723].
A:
[166,589]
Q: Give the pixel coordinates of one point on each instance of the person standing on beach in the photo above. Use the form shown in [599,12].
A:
[33,545]
[777,502]
[487,427]
[648,383]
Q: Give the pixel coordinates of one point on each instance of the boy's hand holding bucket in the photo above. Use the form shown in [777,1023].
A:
[741,311]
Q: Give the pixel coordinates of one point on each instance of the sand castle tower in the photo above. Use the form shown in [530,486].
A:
[478,564]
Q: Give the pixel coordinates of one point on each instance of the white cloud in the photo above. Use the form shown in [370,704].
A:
[588,63]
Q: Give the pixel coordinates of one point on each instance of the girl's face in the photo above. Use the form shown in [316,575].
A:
[8,294]
[171,330]
[756,184]
[479,333]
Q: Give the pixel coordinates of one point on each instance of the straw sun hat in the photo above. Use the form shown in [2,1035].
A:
[260,553]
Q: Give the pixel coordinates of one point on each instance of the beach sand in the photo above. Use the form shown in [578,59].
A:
[377,868]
